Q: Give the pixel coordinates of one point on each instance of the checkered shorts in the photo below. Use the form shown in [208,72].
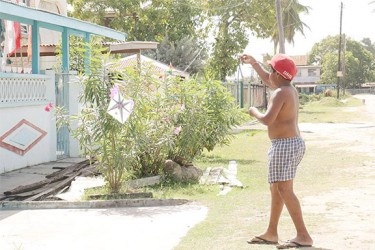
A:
[283,158]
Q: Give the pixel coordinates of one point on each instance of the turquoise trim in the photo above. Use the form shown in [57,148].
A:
[35,61]
[15,75]
[65,25]
[14,12]
[87,54]
[11,17]
[65,51]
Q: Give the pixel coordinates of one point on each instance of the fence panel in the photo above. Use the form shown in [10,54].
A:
[253,94]
[62,100]
[20,90]
[361,91]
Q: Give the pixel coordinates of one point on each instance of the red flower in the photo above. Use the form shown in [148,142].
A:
[48,107]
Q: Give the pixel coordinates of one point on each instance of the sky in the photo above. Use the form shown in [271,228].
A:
[358,22]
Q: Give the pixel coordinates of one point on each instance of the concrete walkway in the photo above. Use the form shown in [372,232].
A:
[158,225]
[112,228]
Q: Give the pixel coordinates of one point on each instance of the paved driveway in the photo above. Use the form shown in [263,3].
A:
[113,228]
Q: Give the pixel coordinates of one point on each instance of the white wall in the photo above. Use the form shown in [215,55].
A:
[12,113]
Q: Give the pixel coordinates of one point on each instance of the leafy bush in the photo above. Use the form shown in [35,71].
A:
[171,119]
[331,101]
[305,98]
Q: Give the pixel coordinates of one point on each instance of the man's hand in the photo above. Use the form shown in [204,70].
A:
[248,59]
[252,111]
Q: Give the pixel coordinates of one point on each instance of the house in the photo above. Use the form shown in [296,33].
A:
[21,61]
[154,67]
[28,134]
[306,80]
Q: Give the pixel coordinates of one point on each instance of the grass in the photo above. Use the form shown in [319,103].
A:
[243,212]
[329,110]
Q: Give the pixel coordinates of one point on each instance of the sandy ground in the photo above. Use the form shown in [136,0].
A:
[348,213]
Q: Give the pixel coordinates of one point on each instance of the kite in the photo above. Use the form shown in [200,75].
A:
[119,108]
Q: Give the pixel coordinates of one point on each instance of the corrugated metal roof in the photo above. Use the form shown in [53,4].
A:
[300,60]
[152,66]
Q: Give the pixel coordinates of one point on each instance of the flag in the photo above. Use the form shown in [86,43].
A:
[12,37]
[170,68]
[2,38]
[2,32]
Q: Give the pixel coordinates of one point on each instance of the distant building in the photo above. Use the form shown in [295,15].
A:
[306,80]
[150,65]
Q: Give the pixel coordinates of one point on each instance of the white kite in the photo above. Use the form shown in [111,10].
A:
[119,108]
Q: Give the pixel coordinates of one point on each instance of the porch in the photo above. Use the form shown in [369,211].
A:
[28,134]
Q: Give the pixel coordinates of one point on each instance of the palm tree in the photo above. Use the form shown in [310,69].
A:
[372,2]
[291,21]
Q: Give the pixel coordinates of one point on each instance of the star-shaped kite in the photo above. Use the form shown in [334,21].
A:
[119,108]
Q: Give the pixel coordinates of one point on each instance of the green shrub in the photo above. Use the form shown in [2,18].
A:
[171,119]
[331,101]
[303,98]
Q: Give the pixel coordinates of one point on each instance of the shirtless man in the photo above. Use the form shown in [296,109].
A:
[287,149]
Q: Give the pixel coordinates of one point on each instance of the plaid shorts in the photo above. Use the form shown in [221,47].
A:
[283,158]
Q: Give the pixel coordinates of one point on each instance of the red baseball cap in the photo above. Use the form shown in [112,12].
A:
[284,65]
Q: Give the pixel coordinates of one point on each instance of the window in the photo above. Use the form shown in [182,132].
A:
[24,27]
[311,72]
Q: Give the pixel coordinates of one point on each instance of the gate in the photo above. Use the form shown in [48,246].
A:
[62,100]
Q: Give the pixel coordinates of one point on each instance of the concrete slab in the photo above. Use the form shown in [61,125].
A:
[114,228]
[44,169]
[13,179]
[32,174]
[133,224]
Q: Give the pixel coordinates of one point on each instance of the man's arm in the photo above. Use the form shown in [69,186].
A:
[263,74]
[273,110]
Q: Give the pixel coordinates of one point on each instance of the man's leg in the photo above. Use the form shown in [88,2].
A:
[277,205]
[294,208]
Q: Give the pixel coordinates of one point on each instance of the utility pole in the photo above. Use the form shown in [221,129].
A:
[280,27]
[339,72]
[344,66]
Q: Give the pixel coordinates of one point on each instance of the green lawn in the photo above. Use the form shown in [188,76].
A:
[242,213]
[329,110]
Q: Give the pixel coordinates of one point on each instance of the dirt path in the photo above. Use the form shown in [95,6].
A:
[348,213]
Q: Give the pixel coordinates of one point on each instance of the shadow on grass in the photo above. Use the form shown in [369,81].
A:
[311,112]
[315,248]
[224,161]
